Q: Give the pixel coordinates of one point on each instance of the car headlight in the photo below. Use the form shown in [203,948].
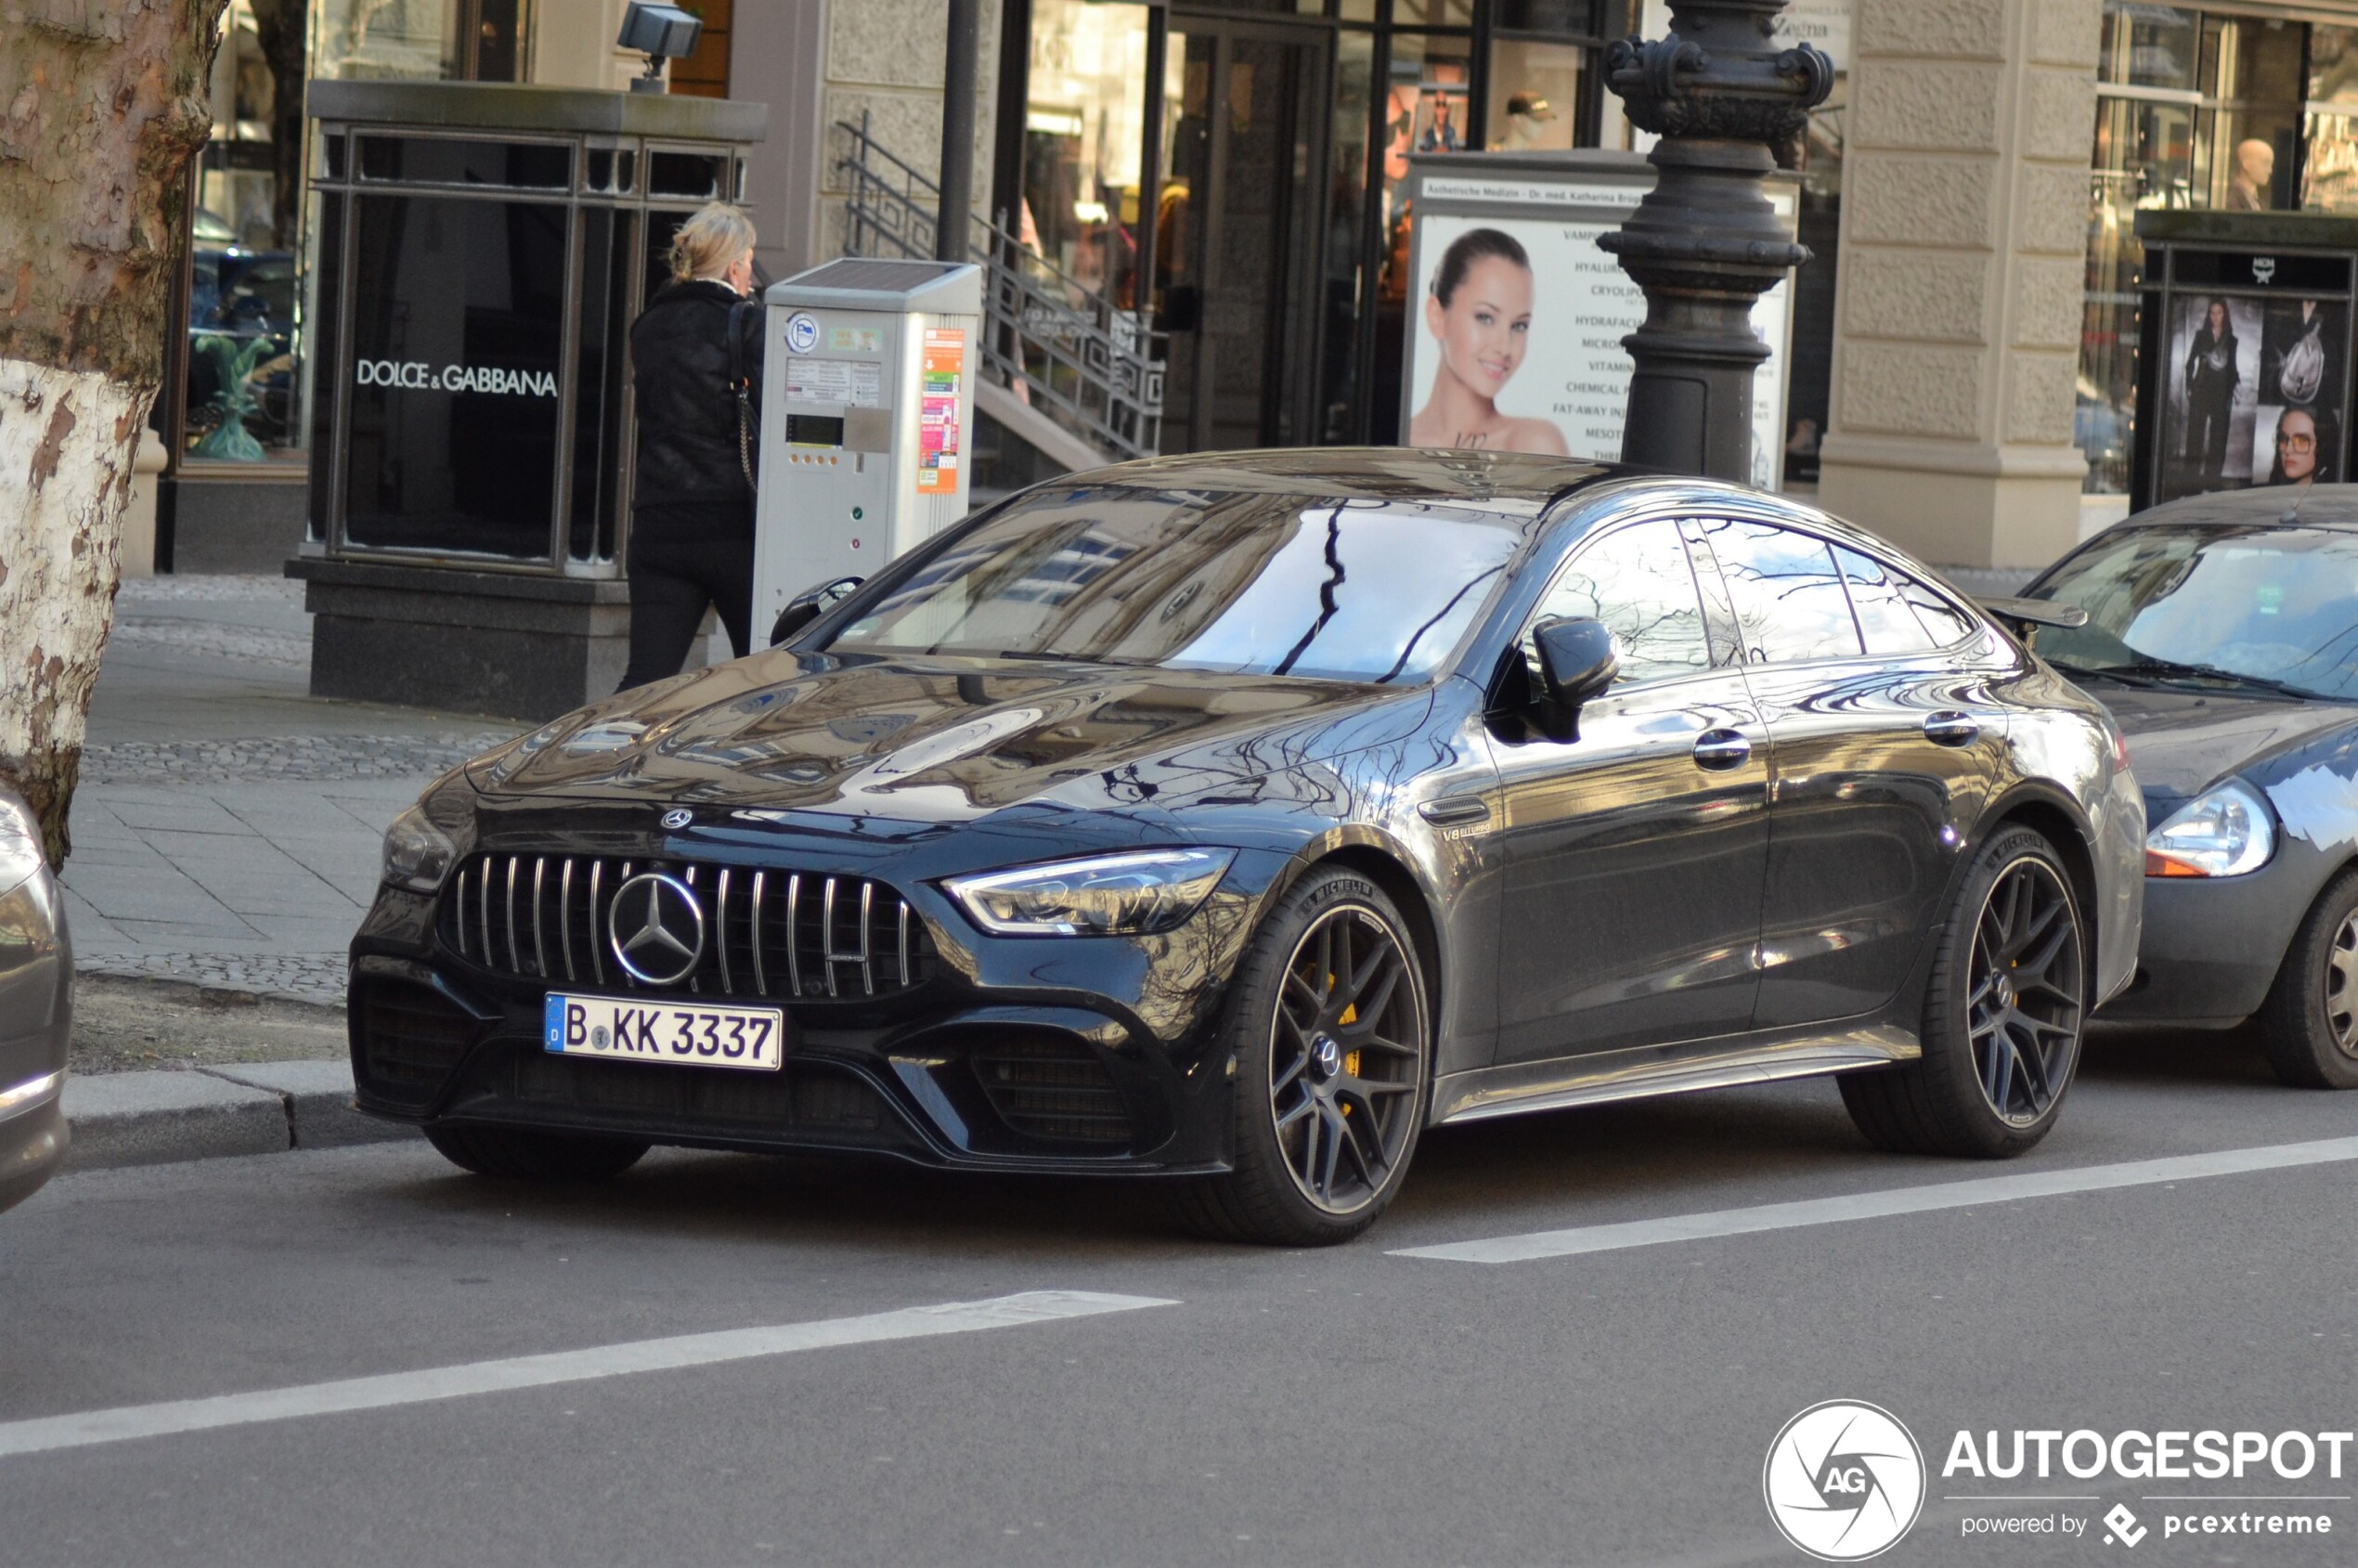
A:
[417,854]
[2225,833]
[1104,896]
[21,851]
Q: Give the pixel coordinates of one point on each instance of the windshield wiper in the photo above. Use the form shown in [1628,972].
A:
[2150,671]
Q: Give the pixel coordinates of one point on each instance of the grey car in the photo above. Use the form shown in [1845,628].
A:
[2223,636]
[36,1006]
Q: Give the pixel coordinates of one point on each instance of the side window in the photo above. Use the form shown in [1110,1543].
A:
[1885,620]
[1638,582]
[1943,622]
[1789,596]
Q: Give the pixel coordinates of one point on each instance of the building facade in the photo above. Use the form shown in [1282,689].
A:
[1227,177]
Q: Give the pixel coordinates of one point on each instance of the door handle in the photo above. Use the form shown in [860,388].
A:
[1719,750]
[1951,728]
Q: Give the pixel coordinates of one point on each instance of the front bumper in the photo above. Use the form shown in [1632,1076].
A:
[1009,1054]
[32,1147]
[2211,947]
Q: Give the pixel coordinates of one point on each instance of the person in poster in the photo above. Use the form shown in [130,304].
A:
[2303,439]
[1479,314]
[2211,379]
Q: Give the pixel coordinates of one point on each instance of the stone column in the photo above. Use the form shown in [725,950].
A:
[1964,233]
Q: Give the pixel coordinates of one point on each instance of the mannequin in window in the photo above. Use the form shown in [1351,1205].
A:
[1528,118]
[2255,169]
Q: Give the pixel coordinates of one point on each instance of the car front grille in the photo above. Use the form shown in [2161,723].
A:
[784,934]
[1051,1087]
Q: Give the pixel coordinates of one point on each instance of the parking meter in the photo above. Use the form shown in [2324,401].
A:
[867,414]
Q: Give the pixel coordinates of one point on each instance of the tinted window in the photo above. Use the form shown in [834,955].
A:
[1246,584]
[1789,598]
[1885,620]
[2274,602]
[1636,581]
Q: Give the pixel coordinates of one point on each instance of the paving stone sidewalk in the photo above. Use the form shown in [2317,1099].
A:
[226,828]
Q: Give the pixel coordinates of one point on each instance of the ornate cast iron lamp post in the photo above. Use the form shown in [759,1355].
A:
[1705,244]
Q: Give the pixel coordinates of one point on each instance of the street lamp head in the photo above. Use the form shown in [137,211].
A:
[661,32]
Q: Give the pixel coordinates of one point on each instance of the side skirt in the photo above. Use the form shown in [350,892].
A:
[1653,1069]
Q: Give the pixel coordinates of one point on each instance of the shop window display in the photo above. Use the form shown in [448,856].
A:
[2193,110]
[242,357]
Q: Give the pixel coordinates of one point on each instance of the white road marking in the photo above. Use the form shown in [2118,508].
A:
[49,1433]
[1880,1205]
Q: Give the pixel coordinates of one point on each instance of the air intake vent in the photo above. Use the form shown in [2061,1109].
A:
[1051,1087]
[411,1040]
[783,934]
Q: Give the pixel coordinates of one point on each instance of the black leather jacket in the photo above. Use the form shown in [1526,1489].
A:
[687,414]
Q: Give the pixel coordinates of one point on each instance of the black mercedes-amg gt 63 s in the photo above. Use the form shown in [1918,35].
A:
[1232,818]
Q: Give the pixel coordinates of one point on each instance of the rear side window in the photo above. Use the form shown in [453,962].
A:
[1789,601]
[1886,619]
[1943,621]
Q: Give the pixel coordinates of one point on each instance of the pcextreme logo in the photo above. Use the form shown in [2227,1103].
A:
[1845,1481]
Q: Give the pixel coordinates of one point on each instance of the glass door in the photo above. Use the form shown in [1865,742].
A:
[1235,255]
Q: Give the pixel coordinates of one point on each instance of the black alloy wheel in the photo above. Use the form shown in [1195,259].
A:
[1332,1039]
[2026,992]
[2309,1024]
[2005,1012]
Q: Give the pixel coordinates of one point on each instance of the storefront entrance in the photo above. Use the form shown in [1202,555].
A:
[1237,252]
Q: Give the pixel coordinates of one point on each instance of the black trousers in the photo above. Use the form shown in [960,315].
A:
[672,581]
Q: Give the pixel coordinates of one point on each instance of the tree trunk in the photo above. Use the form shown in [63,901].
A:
[102,103]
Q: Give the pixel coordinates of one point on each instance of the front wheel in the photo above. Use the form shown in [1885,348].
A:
[2003,1015]
[2310,1022]
[1331,1039]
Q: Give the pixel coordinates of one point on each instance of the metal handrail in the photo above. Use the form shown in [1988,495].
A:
[1072,352]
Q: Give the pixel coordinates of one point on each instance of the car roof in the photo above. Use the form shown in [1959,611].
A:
[1514,480]
[2312,506]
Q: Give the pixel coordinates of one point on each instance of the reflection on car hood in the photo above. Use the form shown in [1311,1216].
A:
[942,740]
[2182,741]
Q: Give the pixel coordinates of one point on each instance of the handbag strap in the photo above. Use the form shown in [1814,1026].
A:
[741,389]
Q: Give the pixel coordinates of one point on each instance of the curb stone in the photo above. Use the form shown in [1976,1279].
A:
[262,1107]
[318,1100]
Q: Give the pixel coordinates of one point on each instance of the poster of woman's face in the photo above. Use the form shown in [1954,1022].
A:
[1478,321]
[2212,376]
[2298,444]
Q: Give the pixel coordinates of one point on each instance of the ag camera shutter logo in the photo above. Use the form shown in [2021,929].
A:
[802,331]
[1845,1481]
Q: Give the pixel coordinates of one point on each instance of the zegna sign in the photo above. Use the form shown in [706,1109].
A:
[423,377]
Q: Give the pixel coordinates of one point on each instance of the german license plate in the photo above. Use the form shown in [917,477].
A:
[685,1034]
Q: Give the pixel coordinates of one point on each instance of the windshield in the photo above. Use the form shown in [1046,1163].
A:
[1363,591]
[2277,604]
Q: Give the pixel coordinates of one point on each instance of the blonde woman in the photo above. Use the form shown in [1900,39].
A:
[691,509]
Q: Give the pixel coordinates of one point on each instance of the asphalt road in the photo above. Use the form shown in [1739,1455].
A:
[1348,1406]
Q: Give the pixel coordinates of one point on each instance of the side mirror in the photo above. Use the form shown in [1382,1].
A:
[1577,662]
[808,606]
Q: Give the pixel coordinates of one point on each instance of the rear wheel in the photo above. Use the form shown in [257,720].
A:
[1331,1039]
[529,1154]
[2309,1024]
[2003,1015]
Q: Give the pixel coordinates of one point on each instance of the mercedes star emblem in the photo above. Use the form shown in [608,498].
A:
[655,929]
[678,817]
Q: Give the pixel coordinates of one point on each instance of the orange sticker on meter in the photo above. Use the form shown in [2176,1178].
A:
[940,372]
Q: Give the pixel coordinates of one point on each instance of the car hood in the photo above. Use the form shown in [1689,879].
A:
[2181,743]
[940,739]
